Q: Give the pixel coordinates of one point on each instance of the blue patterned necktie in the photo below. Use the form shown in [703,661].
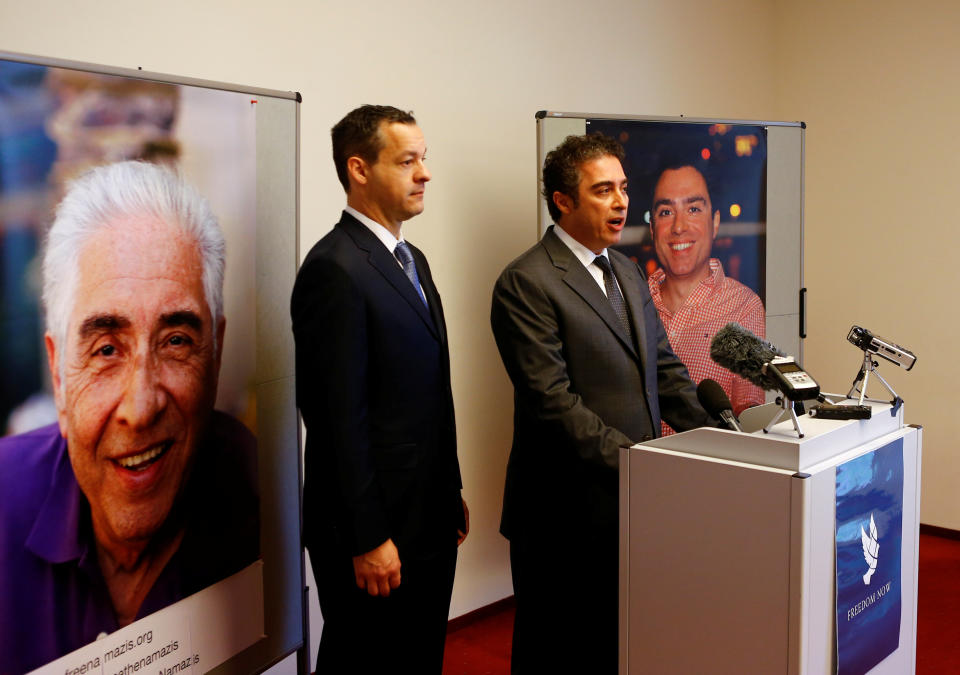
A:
[402,252]
[613,293]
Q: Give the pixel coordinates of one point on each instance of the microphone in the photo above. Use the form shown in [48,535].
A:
[744,354]
[716,402]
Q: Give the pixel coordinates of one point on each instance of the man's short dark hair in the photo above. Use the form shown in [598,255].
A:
[561,169]
[358,135]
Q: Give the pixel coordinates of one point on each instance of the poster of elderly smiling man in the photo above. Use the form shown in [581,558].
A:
[128,462]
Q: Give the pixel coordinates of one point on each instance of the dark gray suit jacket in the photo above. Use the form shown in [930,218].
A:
[582,387]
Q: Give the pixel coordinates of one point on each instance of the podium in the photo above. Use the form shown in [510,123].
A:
[727,547]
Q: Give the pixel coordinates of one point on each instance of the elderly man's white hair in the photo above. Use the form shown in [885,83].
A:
[126,189]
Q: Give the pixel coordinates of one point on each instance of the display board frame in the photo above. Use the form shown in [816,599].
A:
[273,264]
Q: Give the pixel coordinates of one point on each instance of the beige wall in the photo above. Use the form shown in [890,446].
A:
[876,83]
[867,81]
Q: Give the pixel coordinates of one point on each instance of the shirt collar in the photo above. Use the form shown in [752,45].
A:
[583,254]
[656,279]
[379,231]
[57,531]
[716,275]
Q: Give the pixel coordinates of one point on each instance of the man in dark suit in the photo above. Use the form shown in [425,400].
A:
[382,510]
[592,371]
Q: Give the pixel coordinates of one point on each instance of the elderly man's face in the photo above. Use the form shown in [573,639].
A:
[140,373]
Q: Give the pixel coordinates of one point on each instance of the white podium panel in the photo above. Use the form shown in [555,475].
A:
[727,565]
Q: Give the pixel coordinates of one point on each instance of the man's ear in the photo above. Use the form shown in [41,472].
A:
[56,381]
[358,170]
[563,202]
[716,223]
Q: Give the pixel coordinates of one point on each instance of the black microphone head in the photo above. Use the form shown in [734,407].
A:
[713,398]
[743,353]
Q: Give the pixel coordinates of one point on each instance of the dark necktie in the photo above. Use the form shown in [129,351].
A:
[402,251]
[613,293]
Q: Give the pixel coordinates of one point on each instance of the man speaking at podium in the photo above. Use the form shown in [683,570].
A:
[592,371]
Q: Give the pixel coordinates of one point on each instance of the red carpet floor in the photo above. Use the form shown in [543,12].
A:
[482,646]
[938,606]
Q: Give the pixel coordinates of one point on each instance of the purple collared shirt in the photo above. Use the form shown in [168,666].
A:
[53,598]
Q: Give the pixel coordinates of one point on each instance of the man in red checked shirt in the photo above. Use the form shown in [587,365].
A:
[690,291]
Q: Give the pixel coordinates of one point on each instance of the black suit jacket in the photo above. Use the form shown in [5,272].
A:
[373,387]
[582,387]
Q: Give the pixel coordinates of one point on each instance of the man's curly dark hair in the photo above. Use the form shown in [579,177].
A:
[561,169]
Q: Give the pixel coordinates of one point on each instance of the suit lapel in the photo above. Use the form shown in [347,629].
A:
[383,261]
[583,284]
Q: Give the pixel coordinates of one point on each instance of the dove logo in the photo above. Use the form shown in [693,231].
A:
[871,549]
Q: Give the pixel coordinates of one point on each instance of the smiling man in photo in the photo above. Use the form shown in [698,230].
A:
[693,296]
[142,494]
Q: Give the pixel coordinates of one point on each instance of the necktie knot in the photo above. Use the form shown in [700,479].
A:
[403,254]
[402,251]
[604,264]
